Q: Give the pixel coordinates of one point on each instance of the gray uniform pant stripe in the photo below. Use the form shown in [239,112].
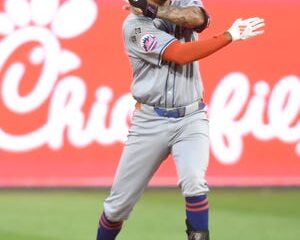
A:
[151,139]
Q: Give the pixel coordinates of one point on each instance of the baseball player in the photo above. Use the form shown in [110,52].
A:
[170,115]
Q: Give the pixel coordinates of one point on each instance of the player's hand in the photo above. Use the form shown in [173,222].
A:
[148,10]
[134,10]
[248,28]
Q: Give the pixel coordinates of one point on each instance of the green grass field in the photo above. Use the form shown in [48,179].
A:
[236,214]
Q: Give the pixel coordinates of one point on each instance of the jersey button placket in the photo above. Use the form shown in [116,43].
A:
[169,96]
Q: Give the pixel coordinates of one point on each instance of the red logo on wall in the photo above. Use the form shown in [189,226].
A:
[65,103]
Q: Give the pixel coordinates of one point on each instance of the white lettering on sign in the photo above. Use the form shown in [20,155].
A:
[68,95]
[268,114]
[237,108]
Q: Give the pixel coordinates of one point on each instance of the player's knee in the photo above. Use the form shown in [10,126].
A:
[193,186]
[117,211]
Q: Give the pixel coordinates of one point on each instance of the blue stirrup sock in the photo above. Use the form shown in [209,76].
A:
[197,212]
[108,230]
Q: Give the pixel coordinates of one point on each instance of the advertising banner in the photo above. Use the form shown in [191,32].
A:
[65,102]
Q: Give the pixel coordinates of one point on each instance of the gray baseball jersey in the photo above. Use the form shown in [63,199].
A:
[153,137]
[159,83]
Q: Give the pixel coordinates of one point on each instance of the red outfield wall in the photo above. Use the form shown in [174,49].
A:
[65,102]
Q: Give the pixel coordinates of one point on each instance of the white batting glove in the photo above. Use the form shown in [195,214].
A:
[248,28]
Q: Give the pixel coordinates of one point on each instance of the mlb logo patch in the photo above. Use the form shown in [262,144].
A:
[148,42]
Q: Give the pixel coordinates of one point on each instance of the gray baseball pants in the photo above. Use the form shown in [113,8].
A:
[150,140]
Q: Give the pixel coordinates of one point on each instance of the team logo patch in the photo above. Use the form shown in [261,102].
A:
[148,42]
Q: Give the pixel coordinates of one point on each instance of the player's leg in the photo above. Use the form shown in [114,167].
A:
[145,149]
[191,154]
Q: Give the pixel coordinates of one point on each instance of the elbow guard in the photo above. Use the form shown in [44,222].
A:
[205,23]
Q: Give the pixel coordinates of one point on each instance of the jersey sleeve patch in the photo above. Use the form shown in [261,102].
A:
[149,42]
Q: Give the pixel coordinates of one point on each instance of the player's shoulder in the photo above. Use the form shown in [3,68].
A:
[133,21]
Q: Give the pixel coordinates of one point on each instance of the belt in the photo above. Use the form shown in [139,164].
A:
[174,112]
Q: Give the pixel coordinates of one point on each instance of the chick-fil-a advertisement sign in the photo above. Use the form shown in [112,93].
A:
[65,102]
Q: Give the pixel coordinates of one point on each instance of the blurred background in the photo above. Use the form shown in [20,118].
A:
[65,108]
